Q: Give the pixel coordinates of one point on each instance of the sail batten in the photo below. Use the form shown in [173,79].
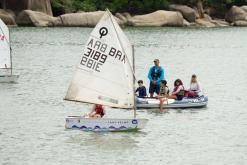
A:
[104,74]
[5,58]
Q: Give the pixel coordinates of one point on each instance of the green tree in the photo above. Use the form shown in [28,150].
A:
[86,5]
[139,6]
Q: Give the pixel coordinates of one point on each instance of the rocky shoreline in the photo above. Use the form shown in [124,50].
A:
[177,16]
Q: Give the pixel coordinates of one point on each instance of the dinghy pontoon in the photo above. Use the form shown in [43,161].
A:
[186,102]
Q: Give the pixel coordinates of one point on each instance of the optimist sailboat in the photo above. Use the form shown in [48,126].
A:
[5,55]
[105,75]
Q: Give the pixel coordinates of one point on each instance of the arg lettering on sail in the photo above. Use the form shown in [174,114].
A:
[97,52]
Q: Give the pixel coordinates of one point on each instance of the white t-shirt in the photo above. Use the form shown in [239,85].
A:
[195,87]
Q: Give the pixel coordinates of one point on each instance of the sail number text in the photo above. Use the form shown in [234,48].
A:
[93,59]
[96,54]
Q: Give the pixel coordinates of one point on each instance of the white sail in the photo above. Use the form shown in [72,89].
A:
[5,61]
[105,72]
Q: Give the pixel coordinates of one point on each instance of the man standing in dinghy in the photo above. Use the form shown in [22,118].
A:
[155,75]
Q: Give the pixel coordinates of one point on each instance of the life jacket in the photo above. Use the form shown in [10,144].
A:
[99,110]
[181,93]
[163,91]
[157,74]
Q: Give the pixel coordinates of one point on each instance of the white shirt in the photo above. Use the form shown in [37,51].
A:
[195,87]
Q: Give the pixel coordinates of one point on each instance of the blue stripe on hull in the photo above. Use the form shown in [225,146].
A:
[103,129]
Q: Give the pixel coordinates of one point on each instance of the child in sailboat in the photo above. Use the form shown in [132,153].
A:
[163,93]
[142,92]
[97,112]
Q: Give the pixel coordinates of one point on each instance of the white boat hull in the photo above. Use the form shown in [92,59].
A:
[104,124]
[143,103]
[9,78]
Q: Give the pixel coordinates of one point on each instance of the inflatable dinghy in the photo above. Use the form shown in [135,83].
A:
[186,102]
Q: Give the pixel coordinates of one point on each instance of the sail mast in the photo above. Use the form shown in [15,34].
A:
[133,55]
[11,68]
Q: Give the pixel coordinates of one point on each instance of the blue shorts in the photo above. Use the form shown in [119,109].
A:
[154,88]
[179,97]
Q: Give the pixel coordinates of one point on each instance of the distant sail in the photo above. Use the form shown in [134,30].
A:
[105,73]
[4,46]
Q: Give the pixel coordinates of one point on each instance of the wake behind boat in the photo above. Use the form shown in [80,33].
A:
[105,76]
[186,102]
[5,55]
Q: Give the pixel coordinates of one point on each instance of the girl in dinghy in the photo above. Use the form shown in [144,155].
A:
[195,88]
[178,91]
[97,112]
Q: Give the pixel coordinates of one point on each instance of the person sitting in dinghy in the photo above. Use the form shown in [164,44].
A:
[97,112]
[195,88]
[178,91]
[163,93]
[142,92]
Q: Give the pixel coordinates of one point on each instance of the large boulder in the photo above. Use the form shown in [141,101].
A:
[127,15]
[122,18]
[7,16]
[204,22]
[209,22]
[240,23]
[244,8]
[236,14]
[40,5]
[34,18]
[196,12]
[158,18]
[85,19]
[186,23]
[188,13]
[219,22]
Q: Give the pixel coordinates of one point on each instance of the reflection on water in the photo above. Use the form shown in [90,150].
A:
[33,111]
[106,141]
[156,111]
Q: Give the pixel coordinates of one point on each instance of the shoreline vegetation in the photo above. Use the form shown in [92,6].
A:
[136,13]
